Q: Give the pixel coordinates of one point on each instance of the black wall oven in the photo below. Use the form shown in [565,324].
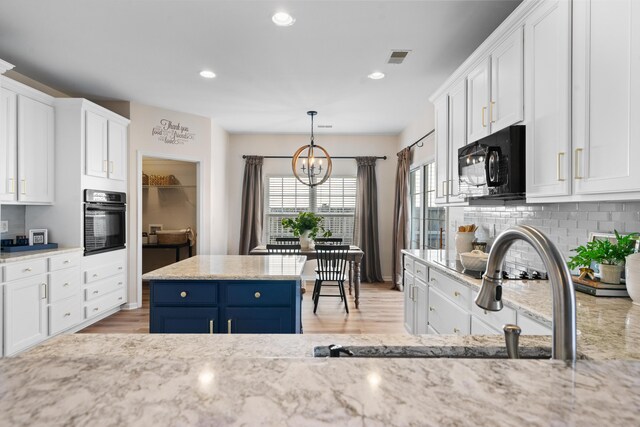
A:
[104,221]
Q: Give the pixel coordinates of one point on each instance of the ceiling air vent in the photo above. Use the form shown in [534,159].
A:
[398,56]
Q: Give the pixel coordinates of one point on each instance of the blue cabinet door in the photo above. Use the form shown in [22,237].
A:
[259,320]
[184,320]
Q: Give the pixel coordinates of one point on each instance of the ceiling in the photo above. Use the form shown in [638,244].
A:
[151,51]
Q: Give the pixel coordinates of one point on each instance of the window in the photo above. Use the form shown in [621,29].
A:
[335,200]
[427,221]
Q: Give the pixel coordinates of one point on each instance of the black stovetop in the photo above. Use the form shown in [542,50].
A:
[456,265]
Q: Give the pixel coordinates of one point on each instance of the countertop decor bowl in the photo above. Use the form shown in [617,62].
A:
[475,260]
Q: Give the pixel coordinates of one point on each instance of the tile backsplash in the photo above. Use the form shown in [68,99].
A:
[16,217]
[567,225]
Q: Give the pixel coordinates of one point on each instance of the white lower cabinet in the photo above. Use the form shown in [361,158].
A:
[446,316]
[105,284]
[65,314]
[531,327]
[415,298]
[25,313]
[421,296]
[409,308]
[478,327]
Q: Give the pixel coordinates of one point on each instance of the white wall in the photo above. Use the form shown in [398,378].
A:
[219,190]
[336,145]
[206,147]
[417,128]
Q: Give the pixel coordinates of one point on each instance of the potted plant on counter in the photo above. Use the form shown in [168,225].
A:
[608,255]
[307,226]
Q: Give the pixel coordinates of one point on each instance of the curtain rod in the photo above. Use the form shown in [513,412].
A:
[244,156]
[418,141]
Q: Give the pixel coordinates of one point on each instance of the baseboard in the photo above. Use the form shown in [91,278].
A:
[131,306]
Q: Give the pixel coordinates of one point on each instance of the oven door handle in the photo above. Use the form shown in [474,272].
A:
[105,208]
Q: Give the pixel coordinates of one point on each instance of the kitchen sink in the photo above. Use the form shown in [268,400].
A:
[434,352]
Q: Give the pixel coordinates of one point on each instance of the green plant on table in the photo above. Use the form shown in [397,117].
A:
[306,221]
[604,251]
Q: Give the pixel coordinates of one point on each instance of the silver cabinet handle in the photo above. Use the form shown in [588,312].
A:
[558,174]
[431,308]
[66,261]
[96,309]
[484,125]
[96,292]
[491,119]
[210,326]
[577,163]
[44,285]
[119,298]
[67,314]
[456,330]
[66,284]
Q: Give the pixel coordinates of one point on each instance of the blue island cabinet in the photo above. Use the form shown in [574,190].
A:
[225,306]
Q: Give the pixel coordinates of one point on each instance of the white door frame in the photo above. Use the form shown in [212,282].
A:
[138,251]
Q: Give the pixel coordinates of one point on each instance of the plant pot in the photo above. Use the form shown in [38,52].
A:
[305,240]
[610,273]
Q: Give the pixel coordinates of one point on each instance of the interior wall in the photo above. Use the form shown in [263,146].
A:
[174,208]
[336,145]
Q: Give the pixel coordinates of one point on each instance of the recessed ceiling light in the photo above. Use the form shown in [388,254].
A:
[207,74]
[376,75]
[283,19]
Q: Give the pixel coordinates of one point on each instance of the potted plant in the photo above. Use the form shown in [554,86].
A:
[609,256]
[307,226]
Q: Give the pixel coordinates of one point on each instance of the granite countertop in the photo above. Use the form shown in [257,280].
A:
[232,267]
[6,257]
[271,380]
[608,328]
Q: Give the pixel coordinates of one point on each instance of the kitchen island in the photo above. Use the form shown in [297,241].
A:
[227,294]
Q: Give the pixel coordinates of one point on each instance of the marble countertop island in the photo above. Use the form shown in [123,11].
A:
[6,257]
[232,267]
[169,380]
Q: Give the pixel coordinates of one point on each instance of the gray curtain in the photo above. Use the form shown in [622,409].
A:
[400,216]
[252,205]
[366,226]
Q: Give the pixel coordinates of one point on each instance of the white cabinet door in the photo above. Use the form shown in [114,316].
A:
[35,151]
[606,99]
[480,328]
[441,140]
[548,95]
[421,303]
[95,145]
[8,146]
[507,82]
[478,94]
[117,151]
[25,307]
[409,309]
[531,327]
[457,136]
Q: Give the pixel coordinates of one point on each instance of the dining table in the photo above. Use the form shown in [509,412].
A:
[354,258]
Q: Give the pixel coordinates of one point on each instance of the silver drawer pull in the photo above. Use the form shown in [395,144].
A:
[119,298]
[257,295]
[119,283]
[456,294]
[96,309]
[67,314]
[418,271]
[65,284]
[66,261]
[27,269]
[183,294]
[95,275]
[432,309]
[456,330]
[96,292]
[119,268]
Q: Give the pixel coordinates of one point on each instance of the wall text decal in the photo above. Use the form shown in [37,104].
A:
[172,133]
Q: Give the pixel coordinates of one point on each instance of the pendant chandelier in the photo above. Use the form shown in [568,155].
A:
[308,168]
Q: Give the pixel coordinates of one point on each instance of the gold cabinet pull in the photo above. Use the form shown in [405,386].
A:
[484,125]
[456,330]
[229,326]
[431,308]
[44,285]
[12,185]
[558,166]
[456,294]
[210,326]
[257,295]
[183,294]
[577,163]
[493,103]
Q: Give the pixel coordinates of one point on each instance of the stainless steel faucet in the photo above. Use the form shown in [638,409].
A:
[564,297]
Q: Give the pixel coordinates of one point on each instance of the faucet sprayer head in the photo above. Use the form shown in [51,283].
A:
[490,295]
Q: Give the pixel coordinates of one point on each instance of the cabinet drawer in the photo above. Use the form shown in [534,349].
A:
[455,291]
[65,314]
[445,316]
[259,294]
[421,271]
[532,327]
[408,264]
[64,284]
[60,262]
[98,273]
[478,327]
[104,287]
[107,302]
[184,293]
[495,319]
[24,269]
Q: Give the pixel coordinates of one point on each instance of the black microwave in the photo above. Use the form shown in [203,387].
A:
[494,167]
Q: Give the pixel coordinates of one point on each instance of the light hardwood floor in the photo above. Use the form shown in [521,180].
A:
[381,312]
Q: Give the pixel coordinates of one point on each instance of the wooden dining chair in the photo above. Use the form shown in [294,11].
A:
[329,240]
[332,262]
[283,249]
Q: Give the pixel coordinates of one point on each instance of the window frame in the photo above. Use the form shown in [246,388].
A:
[424,218]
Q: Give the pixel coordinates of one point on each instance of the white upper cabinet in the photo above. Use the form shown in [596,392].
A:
[606,96]
[478,94]
[457,137]
[8,146]
[35,151]
[96,145]
[26,144]
[548,93]
[441,140]
[507,82]
[117,151]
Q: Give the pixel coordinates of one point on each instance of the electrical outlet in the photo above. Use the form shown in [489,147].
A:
[4,226]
